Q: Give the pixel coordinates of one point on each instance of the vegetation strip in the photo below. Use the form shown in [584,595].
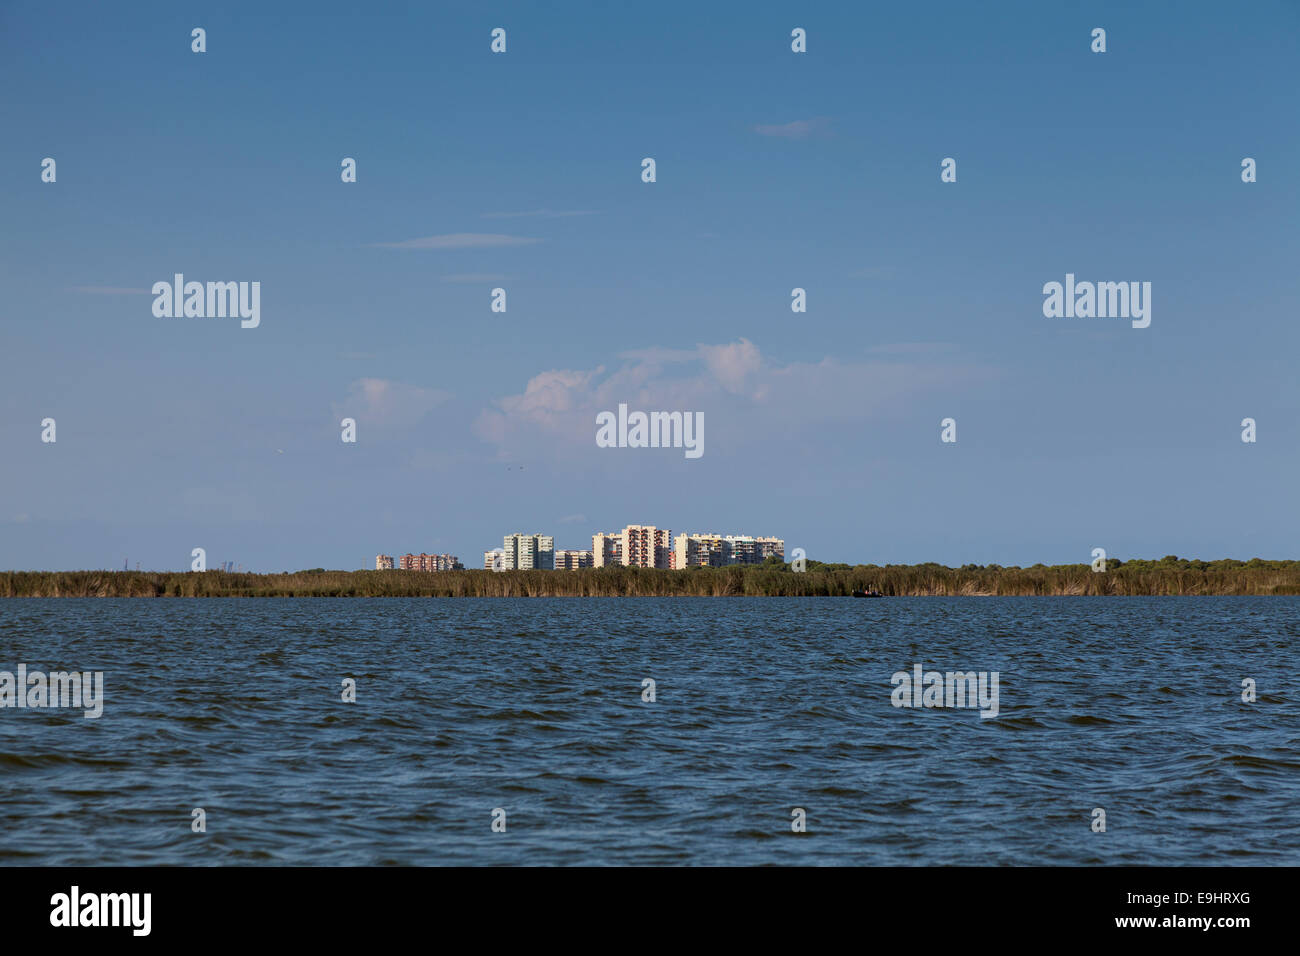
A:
[1169,576]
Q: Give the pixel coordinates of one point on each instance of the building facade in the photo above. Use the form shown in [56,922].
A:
[750,550]
[572,560]
[527,552]
[429,562]
[718,550]
[645,546]
[636,546]
[383,562]
[606,549]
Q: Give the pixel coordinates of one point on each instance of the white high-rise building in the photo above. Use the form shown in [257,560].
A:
[606,549]
[637,546]
[527,552]
[716,550]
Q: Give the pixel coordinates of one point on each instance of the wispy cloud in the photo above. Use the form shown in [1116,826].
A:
[460,240]
[732,364]
[798,129]
[388,404]
[541,214]
[109,290]
[473,277]
[757,400]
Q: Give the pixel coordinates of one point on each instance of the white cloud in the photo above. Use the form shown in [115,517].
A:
[732,365]
[388,404]
[747,396]
[547,399]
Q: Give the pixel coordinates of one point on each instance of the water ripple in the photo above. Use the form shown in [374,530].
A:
[1128,705]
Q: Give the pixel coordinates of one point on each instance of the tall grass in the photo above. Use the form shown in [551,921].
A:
[1167,577]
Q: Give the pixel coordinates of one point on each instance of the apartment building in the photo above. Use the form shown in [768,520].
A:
[525,552]
[606,549]
[636,546]
[572,560]
[718,550]
[490,559]
[699,551]
[383,562]
[645,546]
[429,562]
[751,550]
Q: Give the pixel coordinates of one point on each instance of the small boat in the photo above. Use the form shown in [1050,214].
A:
[872,593]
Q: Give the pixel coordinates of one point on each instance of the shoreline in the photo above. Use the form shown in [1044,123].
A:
[1127,579]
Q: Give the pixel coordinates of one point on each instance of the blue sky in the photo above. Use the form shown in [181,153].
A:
[775,170]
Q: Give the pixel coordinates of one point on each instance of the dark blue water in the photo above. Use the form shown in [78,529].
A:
[1131,705]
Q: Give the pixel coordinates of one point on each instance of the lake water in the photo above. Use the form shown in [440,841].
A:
[763,705]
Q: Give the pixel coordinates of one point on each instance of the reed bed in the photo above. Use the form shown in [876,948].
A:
[1169,576]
